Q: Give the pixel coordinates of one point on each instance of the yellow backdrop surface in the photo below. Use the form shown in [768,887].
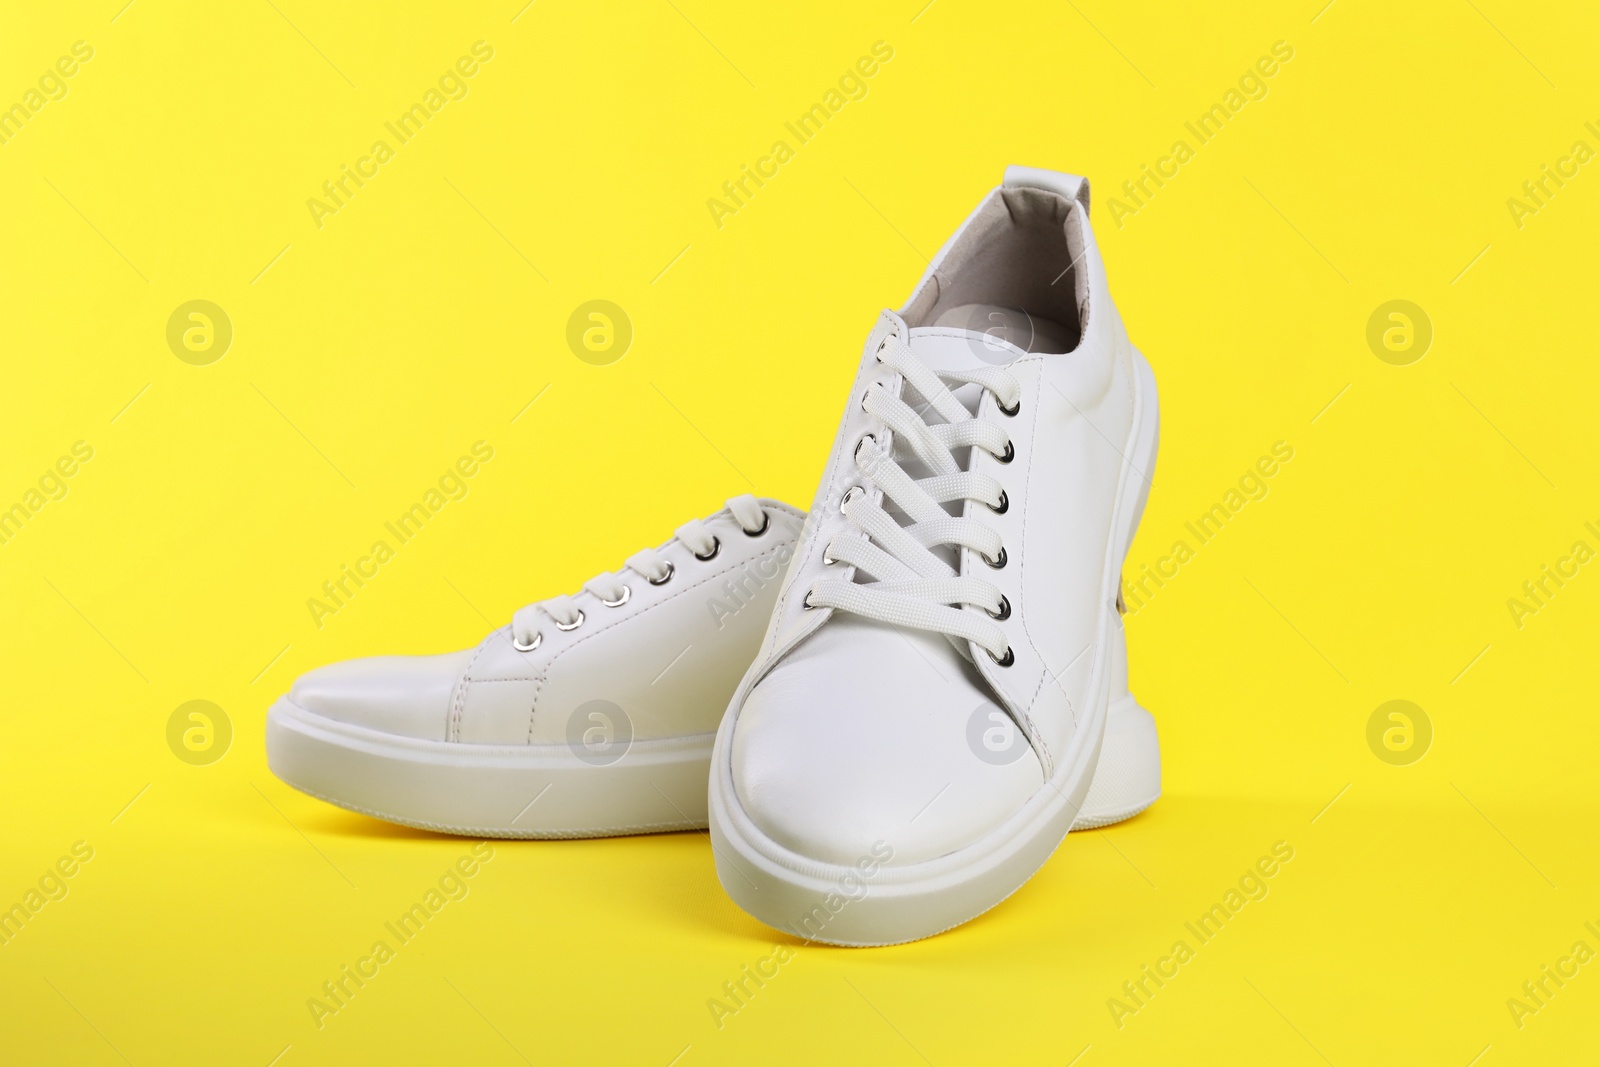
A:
[268,269]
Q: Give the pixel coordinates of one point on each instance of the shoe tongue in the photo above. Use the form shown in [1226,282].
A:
[951,348]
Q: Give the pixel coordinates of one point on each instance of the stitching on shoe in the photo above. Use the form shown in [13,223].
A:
[1033,730]
[459,706]
[1044,746]
[533,703]
[1047,676]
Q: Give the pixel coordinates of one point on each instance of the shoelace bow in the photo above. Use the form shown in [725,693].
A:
[648,563]
[914,586]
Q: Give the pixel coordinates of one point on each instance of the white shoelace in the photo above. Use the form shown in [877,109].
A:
[610,590]
[915,586]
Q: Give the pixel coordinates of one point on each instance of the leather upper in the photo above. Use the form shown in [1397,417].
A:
[397,694]
[667,659]
[827,773]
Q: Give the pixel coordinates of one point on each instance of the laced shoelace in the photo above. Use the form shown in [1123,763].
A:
[914,585]
[609,589]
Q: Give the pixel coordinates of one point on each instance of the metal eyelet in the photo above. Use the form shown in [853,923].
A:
[1004,505]
[1010,454]
[1009,412]
[766,521]
[805,601]
[573,625]
[1010,657]
[538,639]
[665,578]
[999,561]
[849,495]
[864,439]
[716,546]
[621,600]
[1005,610]
[864,400]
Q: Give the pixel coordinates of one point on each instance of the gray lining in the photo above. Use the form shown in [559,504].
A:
[1020,252]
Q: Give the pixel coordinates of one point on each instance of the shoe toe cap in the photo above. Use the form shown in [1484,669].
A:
[861,741]
[405,695]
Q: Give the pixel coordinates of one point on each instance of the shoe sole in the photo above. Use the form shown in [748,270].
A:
[490,790]
[1127,777]
[876,903]
[546,791]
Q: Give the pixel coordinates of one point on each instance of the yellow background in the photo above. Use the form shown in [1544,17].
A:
[432,309]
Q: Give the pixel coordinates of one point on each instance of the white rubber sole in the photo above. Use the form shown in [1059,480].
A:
[490,790]
[875,902]
[547,791]
[1127,777]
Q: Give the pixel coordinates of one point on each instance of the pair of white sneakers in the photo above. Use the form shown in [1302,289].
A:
[889,712]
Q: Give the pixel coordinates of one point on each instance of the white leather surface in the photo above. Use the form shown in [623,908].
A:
[405,695]
[668,658]
[861,735]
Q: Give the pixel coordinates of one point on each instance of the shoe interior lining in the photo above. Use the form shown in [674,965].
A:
[1012,273]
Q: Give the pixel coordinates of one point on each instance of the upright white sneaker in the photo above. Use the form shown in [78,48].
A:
[586,716]
[919,730]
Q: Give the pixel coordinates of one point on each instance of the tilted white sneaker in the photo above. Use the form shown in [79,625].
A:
[588,715]
[919,730]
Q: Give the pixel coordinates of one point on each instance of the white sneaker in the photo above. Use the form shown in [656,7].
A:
[607,725]
[588,715]
[919,730]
